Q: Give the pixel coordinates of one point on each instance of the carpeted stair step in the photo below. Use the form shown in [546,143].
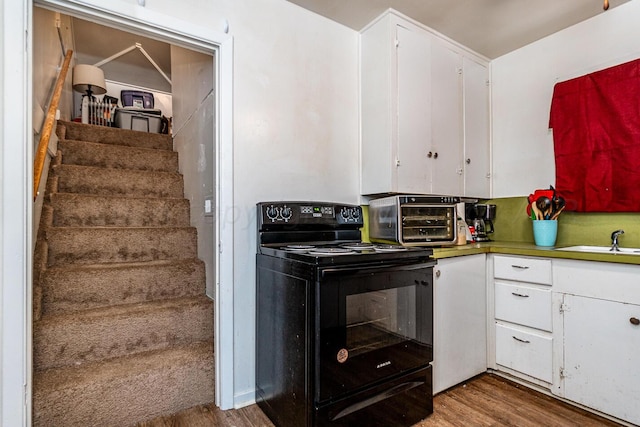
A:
[107,333]
[86,210]
[117,182]
[92,245]
[85,287]
[107,135]
[117,156]
[124,391]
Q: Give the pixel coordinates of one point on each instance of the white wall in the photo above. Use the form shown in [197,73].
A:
[522,87]
[193,138]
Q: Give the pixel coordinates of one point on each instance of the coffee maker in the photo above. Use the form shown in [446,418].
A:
[481,216]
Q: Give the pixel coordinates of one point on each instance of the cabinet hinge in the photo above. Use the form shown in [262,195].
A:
[459,70]
[487,82]
[459,171]
[564,374]
[564,307]
[397,161]
[396,42]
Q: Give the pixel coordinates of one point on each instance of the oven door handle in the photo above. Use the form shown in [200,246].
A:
[377,268]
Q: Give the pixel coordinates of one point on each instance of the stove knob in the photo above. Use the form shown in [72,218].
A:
[286,213]
[356,214]
[345,213]
[272,212]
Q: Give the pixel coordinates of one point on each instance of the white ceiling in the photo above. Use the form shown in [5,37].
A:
[490,27]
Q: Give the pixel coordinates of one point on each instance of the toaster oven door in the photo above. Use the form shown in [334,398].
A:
[428,224]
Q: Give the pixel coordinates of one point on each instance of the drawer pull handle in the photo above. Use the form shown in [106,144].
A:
[521,340]
[520,267]
[519,295]
[634,321]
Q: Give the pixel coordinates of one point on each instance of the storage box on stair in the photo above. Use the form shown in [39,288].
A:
[140,119]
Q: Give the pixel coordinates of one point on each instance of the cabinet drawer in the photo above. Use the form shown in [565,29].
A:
[522,269]
[523,305]
[524,352]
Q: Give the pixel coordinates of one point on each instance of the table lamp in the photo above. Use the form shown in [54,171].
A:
[89,79]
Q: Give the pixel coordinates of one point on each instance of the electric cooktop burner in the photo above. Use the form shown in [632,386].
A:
[330,251]
[358,246]
[298,248]
[389,248]
[343,249]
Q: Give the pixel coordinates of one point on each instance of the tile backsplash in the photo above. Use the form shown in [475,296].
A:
[574,228]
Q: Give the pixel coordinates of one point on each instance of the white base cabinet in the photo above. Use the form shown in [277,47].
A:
[522,312]
[602,356]
[598,326]
[525,351]
[460,332]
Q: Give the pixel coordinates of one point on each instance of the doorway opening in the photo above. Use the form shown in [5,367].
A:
[205,110]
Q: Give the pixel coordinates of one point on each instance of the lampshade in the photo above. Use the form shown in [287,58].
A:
[90,79]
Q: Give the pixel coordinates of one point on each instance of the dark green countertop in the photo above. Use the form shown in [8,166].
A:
[529,249]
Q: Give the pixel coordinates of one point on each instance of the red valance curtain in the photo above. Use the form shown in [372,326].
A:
[596,135]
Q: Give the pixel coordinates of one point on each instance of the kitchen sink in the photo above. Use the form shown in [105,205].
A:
[601,249]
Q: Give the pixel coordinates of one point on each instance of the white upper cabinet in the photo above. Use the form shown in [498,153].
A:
[420,124]
[414,105]
[477,147]
[445,148]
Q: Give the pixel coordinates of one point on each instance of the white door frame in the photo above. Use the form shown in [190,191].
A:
[16,199]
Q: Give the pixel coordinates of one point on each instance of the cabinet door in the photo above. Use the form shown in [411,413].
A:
[414,106]
[601,355]
[460,320]
[476,130]
[446,120]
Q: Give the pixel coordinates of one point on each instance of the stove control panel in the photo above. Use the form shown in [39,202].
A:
[309,214]
[350,215]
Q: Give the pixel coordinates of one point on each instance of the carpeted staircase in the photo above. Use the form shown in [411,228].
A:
[122,331]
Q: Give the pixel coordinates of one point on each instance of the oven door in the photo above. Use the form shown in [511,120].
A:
[374,323]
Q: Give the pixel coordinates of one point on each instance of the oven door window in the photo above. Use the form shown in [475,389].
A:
[374,324]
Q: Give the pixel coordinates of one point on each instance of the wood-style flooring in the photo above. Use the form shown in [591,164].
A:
[487,400]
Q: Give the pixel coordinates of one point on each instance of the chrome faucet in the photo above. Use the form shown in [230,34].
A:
[614,240]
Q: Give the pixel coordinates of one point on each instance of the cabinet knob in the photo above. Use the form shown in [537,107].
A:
[634,321]
[468,161]
[430,154]
[438,275]
[435,155]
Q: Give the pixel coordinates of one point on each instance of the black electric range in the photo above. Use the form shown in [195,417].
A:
[344,328]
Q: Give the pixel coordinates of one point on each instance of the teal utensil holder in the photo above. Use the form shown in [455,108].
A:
[545,232]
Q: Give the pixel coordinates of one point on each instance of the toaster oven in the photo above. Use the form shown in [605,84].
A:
[413,220]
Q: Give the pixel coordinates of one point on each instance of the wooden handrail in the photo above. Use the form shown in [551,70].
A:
[47,127]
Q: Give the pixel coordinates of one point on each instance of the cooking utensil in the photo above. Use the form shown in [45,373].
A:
[557,213]
[544,206]
[558,204]
[536,210]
